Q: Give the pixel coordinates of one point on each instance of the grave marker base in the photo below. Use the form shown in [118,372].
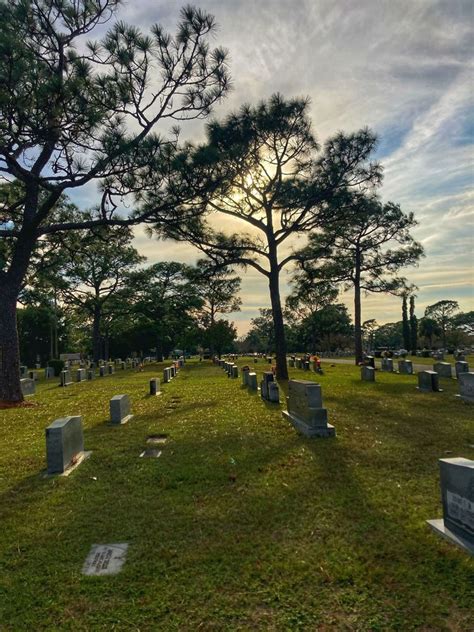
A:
[83,456]
[121,422]
[307,430]
[440,529]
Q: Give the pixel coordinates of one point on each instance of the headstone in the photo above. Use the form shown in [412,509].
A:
[105,559]
[101,371]
[80,375]
[457,494]
[466,387]
[370,361]
[267,378]
[111,369]
[439,355]
[428,382]
[235,371]
[306,365]
[461,367]
[405,367]
[23,370]
[122,366]
[443,369]
[387,364]
[28,386]
[120,409]
[252,381]
[33,375]
[155,386]
[49,372]
[367,373]
[65,378]
[64,444]
[166,375]
[245,372]
[90,374]
[273,393]
[305,409]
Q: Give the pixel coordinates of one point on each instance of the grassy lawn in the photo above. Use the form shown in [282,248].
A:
[241,524]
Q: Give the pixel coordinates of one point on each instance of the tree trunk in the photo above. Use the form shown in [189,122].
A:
[96,334]
[10,387]
[279,329]
[11,282]
[357,322]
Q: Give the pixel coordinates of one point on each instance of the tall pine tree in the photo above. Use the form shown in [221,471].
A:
[413,326]
[405,324]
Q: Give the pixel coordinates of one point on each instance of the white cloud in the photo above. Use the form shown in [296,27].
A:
[403,68]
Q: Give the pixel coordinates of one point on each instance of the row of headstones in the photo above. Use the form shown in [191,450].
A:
[309,417]
[172,371]
[428,381]
[269,390]
[301,363]
[444,369]
[86,364]
[65,438]
[230,368]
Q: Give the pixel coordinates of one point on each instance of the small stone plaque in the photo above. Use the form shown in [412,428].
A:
[105,559]
[150,453]
[159,439]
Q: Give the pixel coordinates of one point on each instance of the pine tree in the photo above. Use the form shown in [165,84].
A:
[405,324]
[413,326]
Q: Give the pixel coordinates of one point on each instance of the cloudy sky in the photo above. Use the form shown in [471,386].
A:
[403,68]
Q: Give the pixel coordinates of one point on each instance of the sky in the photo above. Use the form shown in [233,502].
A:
[402,68]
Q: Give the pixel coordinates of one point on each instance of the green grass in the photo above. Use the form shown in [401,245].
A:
[241,524]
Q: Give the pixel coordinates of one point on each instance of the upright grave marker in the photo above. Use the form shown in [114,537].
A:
[457,494]
[305,409]
[28,386]
[405,367]
[443,369]
[120,410]
[155,386]
[367,374]
[65,378]
[466,387]
[461,367]
[65,445]
[428,382]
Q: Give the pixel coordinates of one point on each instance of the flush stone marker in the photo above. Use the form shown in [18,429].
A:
[105,559]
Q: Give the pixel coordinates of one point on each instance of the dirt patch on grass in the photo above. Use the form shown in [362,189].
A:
[5,405]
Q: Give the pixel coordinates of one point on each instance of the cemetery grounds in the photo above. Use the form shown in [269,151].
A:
[240,524]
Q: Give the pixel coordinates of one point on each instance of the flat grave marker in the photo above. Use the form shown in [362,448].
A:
[105,559]
[150,453]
